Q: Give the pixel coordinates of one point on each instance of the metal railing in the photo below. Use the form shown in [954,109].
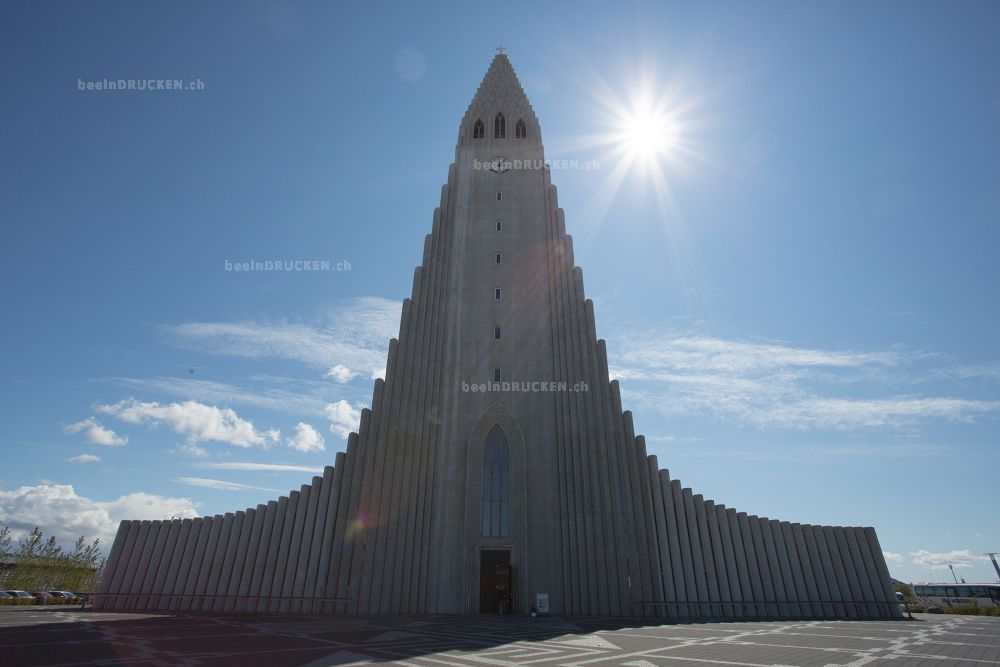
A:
[175,599]
[714,605]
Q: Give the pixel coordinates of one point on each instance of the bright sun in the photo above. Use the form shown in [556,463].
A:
[649,135]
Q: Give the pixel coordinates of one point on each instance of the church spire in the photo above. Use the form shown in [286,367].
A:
[500,110]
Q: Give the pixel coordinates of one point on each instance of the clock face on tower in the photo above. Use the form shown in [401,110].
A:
[499,164]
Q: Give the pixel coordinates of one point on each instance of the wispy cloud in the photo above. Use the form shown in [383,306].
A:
[354,337]
[893,558]
[959,558]
[278,394]
[259,467]
[770,385]
[196,421]
[219,484]
[84,458]
[95,433]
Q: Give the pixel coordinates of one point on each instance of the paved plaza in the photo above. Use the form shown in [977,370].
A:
[72,637]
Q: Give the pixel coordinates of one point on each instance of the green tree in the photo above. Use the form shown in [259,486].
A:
[906,591]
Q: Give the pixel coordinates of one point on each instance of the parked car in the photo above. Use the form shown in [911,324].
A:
[44,597]
[22,597]
[65,596]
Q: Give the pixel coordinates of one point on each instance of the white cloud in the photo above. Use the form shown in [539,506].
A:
[59,511]
[341,373]
[354,335]
[84,458]
[960,558]
[378,374]
[306,439]
[197,421]
[190,448]
[343,418]
[273,467]
[279,394]
[95,433]
[218,484]
[777,386]
[891,557]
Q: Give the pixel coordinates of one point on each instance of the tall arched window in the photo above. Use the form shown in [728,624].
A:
[499,127]
[496,484]
[478,130]
[520,131]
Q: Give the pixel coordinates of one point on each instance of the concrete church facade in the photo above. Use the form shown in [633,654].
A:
[449,499]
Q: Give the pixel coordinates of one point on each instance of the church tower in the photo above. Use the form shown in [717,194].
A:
[496,465]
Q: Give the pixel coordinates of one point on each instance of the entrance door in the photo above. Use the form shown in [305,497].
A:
[494,580]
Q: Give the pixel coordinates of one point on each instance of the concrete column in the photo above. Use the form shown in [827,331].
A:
[284,547]
[254,584]
[784,567]
[242,559]
[378,575]
[169,553]
[146,556]
[832,579]
[336,583]
[295,547]
[314,583]
[375,488]
[229,543]
[850,569]
[847,593]
[861,564]
[136,561]
[733,586]
[804,560]
[305,549]
[147,578]
[187,573]
[774,568]
[808,536]
[699,557]
[664,564]
[111,566]
[888,592]
[209,564]
[570,500]
[171,584]
[741,567]
[764,567]
[270,561]
[676,569]
[712,546]
[753,566]
[687,552]
[326,565]
[796,581]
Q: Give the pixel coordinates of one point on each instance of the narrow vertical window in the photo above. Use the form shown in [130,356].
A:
[499,196]
[520,131]
[478,130]
[496,374]
[499,226]
[499,258]
[496,295]
[496,332]
[499,127]
[496,484]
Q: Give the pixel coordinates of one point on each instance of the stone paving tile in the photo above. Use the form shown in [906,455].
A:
[88,638]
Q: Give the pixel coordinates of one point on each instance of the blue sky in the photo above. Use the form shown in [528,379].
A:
[799,299]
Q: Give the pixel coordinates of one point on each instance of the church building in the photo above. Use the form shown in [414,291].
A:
[496,466]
